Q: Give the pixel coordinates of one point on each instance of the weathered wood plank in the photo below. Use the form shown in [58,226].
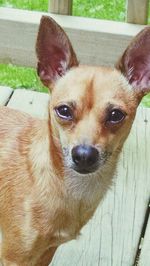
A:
[63,7]
[111,237]
[5,93]
[137,11]
[145,252]
[96,42]
[31,102]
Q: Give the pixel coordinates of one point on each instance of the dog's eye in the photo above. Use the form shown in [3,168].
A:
[115,116]
[64,112]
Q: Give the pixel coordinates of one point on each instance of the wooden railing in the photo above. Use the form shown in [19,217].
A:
[63,7]
[137,11]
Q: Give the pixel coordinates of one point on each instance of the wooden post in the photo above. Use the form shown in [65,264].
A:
[63,7]
[137,11]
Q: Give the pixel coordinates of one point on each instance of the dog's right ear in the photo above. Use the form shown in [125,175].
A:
[54,52]
[134,64]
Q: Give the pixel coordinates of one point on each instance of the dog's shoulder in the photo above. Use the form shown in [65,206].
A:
[13,120]
[13,125]
[8,114]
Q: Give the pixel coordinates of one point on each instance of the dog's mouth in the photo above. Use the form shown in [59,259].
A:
[85,170]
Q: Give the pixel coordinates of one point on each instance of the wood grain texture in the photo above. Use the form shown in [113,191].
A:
[31,102]
[5,93]
[137,11]
[111,237]
[63,7]
[96,42]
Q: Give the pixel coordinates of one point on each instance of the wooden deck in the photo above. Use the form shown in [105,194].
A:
[111,238]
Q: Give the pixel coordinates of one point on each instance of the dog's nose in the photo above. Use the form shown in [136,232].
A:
[85,158]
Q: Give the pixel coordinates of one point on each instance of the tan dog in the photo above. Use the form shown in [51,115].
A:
[54,173]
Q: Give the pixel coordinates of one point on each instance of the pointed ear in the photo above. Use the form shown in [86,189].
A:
[54,52]
[135,62]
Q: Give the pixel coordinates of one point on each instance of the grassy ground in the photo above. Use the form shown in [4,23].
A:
[26,77]
[20,77]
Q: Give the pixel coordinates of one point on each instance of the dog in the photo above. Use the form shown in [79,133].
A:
[54,173]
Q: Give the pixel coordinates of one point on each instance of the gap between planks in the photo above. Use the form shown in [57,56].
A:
[5,94]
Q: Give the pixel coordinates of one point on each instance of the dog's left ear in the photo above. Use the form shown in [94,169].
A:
[135,63]
[54,51]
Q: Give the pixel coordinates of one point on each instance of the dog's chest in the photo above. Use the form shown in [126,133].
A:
[62,221]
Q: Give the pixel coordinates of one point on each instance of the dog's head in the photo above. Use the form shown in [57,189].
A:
[91,108]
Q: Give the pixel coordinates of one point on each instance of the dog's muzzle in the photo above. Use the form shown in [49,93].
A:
[85,159]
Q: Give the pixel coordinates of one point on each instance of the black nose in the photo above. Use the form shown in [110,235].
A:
[85,158]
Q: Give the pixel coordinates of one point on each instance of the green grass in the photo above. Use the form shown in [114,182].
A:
[146,101]
[39,5]
[18,77]
[104,9]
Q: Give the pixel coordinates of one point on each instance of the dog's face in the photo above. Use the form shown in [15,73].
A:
[91,108]
[92,125]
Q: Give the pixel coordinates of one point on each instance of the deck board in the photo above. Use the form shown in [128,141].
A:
[5,93]
[111,237]
[35,104]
